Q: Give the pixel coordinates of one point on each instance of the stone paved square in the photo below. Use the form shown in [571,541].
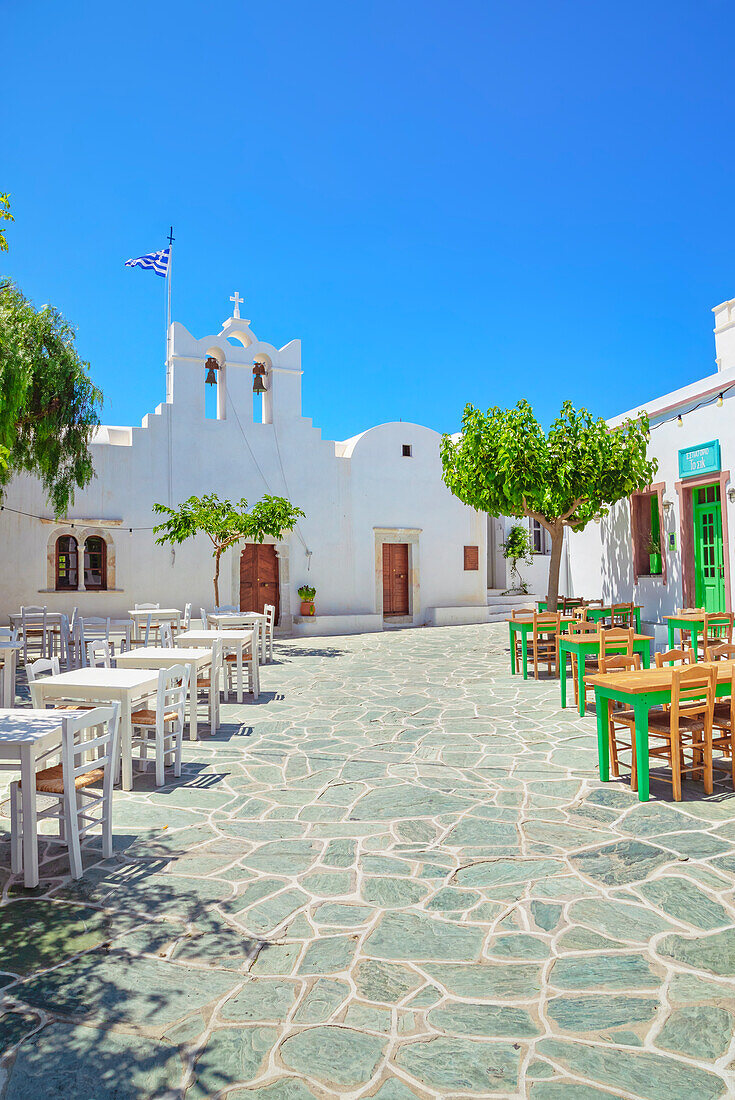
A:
[395,876]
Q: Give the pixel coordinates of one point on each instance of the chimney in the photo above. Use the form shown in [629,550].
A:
[725,335]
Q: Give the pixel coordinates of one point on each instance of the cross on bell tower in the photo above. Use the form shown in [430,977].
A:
[237,300]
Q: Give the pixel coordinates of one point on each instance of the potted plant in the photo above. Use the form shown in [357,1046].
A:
[654,556]
[517,547]
[307,594]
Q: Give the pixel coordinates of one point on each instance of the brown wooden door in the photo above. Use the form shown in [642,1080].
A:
[395,578]
[259,578]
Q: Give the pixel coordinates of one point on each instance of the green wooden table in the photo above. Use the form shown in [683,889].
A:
[600,614]
[687,620]
[640,691]
[584,645]
[524,627]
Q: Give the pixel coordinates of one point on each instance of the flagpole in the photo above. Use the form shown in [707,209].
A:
[168,311]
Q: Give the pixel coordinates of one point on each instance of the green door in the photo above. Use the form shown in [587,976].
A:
[709,565]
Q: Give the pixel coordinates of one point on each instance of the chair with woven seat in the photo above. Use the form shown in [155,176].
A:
[673,657]
[166,636]
[723,724]
[685,727]
[543,642]
[725,651]
[49,666]
[583,627]
[717,630]
[162,726]
[249,660]
[519,613]
[35,631]
[99,654]
[621,717]
[81,785]
[622,614]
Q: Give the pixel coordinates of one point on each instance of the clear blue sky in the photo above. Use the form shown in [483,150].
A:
[447,202]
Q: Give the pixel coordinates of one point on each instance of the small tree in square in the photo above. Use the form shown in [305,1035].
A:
[503,463]
[225,523]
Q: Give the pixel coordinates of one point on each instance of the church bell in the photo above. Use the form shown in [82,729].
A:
[259,385]
[211,366]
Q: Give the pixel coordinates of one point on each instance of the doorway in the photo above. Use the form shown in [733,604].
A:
[259,583]
[395,579]
[709,560]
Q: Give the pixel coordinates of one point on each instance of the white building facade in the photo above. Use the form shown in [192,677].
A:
[670,546]
[383,542]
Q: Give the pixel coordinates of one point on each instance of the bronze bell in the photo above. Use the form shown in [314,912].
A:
[211,366]
[259,385]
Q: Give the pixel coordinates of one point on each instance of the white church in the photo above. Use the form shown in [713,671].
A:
[383,542]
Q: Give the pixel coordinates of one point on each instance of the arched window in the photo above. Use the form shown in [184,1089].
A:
[95,563]
[67,562]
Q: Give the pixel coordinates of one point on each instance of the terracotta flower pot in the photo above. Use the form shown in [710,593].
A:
[307,607]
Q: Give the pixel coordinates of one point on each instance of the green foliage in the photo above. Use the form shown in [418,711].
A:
[225,523]
[49,407]
[307,592]
[517,547]
[5,216]
[503,463]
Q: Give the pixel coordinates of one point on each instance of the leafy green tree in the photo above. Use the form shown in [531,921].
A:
[503,463]
[5,216]
[225,523]
[49,407]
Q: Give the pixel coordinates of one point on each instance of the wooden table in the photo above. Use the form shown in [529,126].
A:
[102,685]
[584,645]
[8,655]
[24,736]
[221,620]
[234,640]
[157,614]
[692,621]
[151,656]
[525,627]
[640,691]
[600,614]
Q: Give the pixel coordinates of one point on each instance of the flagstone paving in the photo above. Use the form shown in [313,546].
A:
[396,876]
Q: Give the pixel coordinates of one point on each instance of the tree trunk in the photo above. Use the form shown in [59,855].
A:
[557,545]
[216,578]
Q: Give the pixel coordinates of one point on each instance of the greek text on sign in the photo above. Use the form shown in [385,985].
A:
[702,459]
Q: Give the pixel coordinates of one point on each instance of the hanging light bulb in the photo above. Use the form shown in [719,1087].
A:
[719,401]
[679,421]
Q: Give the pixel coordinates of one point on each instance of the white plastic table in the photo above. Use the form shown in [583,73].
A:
[226,620]
[236,640]
[157,614]
[102,685]
[8,655]
[24,736]
[151,656]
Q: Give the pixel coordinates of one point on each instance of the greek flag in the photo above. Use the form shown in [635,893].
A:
[156,260]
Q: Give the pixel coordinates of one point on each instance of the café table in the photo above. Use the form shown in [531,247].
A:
[220,620]
[598,614]
[640,691]
[236,641]
[25,735]
[585,645]
[693,621]
[524,627]
[127,686]
[151,656]
[157,614]
[8,656]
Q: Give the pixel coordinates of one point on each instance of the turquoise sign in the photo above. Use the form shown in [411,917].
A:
[704,459]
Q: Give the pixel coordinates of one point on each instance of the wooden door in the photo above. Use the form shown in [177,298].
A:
[259,578]
[395,578]
[709,564]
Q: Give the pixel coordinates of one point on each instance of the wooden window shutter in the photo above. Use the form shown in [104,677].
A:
[472,557]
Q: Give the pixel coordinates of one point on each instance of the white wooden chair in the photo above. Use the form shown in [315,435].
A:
[166,636]
[142,635]
[99,654]
[210,682]
[89,751]
[204,617]
[250,662]
[90,628]
[44,666]
[153,624]
[9,635]
[163,725]
[35,631]
[270,623]
[186,619]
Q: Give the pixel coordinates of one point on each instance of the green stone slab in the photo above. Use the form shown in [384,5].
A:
[604,971]
[37,932]
[462,1065]
[261,1000]
[699,1031]
[488,981]
[682,900]
[414,936]
[321,1001]
[393,893]
[231,1054]
[618,919]
[621,863]
[329,955]
[337,1056]
[489,1021]
[714,952]
[592,1013]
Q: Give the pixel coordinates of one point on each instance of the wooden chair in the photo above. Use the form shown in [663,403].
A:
[673,657]
[166,636]
[270,623]
[204,617]
[576,628]
[186,620]
[163,725]
[89,751]
[99,654]
[209,681]
[622,614]
[723,652]
[612,641]
[685,636]
[520,613]
[543,642]
[723,722]
[35,630]
[250,662]
[622,719]
[717,629]
[686,727]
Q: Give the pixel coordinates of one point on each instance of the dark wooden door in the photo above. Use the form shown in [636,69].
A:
[395,578]
[259,578]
